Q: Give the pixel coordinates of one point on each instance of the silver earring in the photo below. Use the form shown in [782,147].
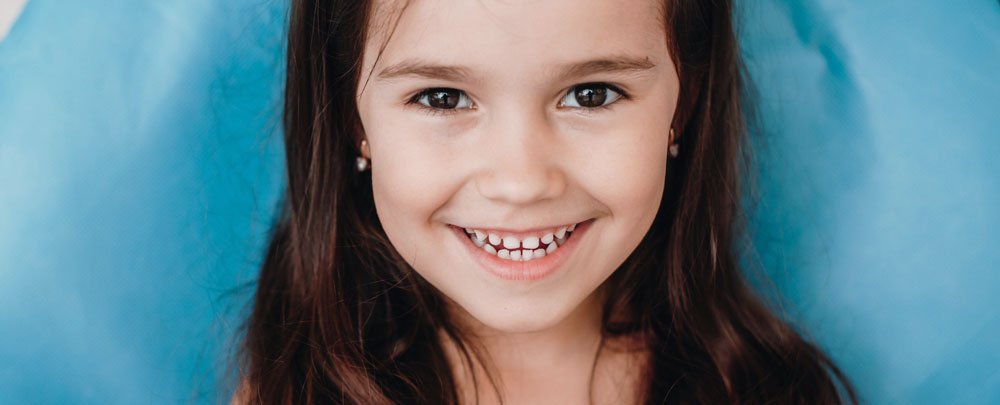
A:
[674,147]
[361,163]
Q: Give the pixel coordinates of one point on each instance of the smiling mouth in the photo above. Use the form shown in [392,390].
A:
[520,248]
[521,257]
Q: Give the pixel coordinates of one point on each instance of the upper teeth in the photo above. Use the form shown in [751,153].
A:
[512,248]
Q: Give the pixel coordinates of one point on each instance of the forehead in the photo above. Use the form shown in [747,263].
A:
[494,37]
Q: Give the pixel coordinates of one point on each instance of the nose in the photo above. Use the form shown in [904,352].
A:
[521,158]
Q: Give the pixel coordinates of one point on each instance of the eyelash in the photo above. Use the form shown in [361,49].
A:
[448,111]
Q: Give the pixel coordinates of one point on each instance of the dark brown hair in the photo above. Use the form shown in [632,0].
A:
[340,317]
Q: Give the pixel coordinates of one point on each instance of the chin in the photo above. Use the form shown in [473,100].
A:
[519,318]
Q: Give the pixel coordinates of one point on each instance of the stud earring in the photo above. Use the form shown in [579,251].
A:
[361,163]
[674,147]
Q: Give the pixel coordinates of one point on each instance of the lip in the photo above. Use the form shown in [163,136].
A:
[531,270]
[520,234]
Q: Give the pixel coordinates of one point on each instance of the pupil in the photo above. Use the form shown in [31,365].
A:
[446,99]
[591,96]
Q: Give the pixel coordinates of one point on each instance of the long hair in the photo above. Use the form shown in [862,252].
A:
[340,317]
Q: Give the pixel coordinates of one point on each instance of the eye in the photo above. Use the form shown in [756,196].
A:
[442,100]
[592,95]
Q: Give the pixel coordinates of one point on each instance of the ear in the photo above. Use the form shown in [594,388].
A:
[362,138]
[365,149]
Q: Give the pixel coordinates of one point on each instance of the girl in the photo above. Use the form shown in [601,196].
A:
[517,202]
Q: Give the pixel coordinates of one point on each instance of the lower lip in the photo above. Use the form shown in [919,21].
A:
[531,270]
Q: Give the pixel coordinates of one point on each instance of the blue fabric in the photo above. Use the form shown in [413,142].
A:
[140,162]
[879,197]
[139,166]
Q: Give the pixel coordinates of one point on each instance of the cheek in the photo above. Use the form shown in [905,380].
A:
[630,186]
[628,169]
[627,175]
[409,183]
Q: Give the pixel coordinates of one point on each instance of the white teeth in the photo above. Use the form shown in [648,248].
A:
[522,255]
[547,239]
[511,242]
[530,242]
[511,248]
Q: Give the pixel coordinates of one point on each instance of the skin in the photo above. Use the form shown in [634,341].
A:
[516,154]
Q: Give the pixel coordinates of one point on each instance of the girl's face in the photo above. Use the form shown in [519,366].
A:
[518,119]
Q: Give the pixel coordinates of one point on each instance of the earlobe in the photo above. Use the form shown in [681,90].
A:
[361,162]
[365,150]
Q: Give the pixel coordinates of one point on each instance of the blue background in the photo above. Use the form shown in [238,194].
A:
[140,163]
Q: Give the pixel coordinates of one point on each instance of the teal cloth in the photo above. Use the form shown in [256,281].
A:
[140,163]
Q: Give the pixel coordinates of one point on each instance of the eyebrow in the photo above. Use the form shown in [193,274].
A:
[425,69]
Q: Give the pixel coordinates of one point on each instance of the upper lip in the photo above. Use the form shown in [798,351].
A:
[522,231]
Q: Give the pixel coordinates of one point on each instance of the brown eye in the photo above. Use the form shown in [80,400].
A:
[445,98]
[442,99]
[591,95]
